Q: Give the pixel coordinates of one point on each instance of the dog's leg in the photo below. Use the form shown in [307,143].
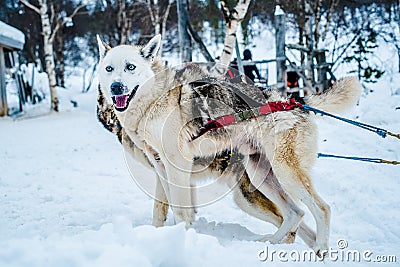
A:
[319,209]
[161,201]
[258,169]
[178,171]
[180,194]
[307,234]
[292,173]
[253,202]
[160,208]
[321,212]
[175,180]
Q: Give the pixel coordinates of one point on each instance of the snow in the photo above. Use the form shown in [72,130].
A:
[279,11]
[9,32]
[68,199]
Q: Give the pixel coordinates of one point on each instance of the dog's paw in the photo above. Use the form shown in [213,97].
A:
[186,215]
[321,251]
[158,223]
[289,238]
[275,239]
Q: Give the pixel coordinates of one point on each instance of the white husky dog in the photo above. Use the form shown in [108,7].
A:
[163,109]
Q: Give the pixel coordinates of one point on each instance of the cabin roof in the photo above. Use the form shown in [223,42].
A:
[11,37]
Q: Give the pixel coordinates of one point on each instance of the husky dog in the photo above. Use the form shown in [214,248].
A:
[163,109]
[248,198]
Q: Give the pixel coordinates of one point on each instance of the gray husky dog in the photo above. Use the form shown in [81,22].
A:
[163,109]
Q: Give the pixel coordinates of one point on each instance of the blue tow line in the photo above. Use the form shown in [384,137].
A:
[373,160]
[379,131]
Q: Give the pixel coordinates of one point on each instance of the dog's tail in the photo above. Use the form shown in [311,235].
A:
[343,94]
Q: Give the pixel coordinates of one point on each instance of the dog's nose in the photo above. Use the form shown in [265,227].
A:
[117,88]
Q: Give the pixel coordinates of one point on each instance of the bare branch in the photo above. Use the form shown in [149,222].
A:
[202,46]
[148,2]
[356,35]
[317,12]
[76,11]
[52,14]
[29,5]
[225,12]
[164,23]
[165,18]
[334,3]
[60,24]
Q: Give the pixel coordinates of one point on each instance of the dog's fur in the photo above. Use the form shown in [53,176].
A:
[161,109]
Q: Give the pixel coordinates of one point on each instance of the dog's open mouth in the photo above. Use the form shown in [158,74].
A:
[121,102]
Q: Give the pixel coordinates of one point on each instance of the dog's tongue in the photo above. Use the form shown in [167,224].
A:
[120,100]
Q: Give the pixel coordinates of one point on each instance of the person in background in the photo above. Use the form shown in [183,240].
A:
[292,79]
[292,83]
[250,69]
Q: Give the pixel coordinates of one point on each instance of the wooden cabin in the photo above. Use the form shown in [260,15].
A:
[11,41]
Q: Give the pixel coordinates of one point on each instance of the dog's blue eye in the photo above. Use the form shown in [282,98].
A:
[130,67]
[109,69]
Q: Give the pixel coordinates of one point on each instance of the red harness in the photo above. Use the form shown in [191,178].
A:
[249,114]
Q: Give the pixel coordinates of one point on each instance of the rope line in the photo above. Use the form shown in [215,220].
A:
[379,131]
[373,160]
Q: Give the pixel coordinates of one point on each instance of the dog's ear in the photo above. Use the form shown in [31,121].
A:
[150,50]
[103,47]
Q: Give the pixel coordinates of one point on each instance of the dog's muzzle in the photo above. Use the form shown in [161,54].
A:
[117,88]
[120,97]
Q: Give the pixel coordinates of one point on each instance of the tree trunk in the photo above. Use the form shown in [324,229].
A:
[157,21]
[232,20]
[164,25]
[322,70]
[308,30]
[122,23]
[301,43]
[317,20]
[280,33]
[185,43]
[49,53]
[49,36]
[60,60]
[159,24]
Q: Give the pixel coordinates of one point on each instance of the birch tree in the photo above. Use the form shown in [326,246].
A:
[232,21]
[48,48]
[49,34]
